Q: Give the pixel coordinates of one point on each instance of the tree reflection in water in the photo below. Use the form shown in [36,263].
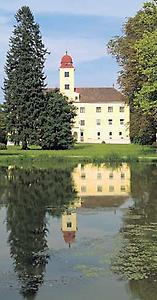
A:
[136,260]
[29,195]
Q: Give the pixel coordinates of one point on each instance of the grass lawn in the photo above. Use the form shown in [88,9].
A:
[81,152]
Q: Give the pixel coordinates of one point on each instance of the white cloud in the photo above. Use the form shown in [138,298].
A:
[89,7]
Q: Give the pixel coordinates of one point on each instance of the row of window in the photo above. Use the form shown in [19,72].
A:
[98,109]
[99,176]
[100,188]
[98,122]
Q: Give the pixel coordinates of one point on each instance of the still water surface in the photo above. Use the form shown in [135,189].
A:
[82,232]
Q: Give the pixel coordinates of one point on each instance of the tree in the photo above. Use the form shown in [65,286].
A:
[24,82]
[40,192]
[126,49]
[3,134]
[56,122]
[146,97]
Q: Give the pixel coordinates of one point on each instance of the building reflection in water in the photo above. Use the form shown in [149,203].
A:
[97,186]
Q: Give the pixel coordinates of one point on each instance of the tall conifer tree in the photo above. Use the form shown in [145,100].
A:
[24,81]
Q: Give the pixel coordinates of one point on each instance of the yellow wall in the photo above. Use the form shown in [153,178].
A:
[91,128]
[93,180]
[69,218]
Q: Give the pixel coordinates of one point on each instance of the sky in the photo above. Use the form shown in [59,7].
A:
[82,27]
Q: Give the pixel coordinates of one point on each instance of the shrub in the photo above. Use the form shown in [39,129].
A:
[3,147]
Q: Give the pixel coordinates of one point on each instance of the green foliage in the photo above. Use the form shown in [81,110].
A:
[40,192]
[137,259]
[3,134]
[142,128]
[24,82]
[3,147]
[135,51]
[56,122]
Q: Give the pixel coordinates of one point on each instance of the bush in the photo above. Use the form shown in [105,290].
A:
[3,147]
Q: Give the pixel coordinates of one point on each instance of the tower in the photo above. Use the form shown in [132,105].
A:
[67,77]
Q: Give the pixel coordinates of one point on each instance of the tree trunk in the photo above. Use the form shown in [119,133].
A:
[24,145]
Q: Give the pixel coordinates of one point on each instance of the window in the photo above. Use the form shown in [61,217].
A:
[110,122]
[69,224]
[120,133]
[82,167]
[82,109]
[98,122]
[83,176]
[76,97]
[98,109]
[98,135]
[110,135]
[99,176]
[121,108]
[66,74]
[67,86]
[110,108]
[99,188]
[111,176]
[121,121]
[122,176]
[83,189]
[122,188]
[82,122]
[111,188]
[82,136]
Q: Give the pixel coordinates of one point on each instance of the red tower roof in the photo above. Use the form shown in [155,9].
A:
[66,61]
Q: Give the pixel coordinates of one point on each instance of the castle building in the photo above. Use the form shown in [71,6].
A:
[102,113]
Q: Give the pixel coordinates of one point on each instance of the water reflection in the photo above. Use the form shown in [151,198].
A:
[136,259]
[101,186]
[30,193]
[76,198]
[96,186]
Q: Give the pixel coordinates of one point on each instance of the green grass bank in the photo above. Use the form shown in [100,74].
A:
[81,152]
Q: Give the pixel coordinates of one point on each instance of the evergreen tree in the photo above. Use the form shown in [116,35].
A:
[56,122]
[24,82]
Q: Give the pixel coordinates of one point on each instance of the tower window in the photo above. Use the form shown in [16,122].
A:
[120,133]
[66,74]
[110,121]
[69,224]
[121,121]
[67,86]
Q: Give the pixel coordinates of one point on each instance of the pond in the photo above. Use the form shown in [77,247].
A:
[78,232]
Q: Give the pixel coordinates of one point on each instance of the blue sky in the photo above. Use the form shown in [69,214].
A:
[83,27]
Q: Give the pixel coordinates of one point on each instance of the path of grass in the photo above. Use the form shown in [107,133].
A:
[81,152]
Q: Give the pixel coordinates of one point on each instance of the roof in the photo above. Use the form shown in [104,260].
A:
[96,95]
[99,95]
[69,236]
[66,61]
